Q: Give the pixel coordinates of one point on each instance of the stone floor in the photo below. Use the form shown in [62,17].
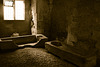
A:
[31,57]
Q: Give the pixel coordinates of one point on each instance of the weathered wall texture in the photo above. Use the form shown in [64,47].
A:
[43,17]
[7,27]
[80,18]
[59,22]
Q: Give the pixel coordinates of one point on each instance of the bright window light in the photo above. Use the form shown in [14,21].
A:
[8,13]
[19,10]
[14,10]
[8,3]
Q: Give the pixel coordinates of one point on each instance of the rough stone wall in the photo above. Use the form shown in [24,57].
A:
[58,19]
[83,18]
[80,18]
[43,17]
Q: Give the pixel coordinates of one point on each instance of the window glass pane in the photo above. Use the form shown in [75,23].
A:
[8,13]
[8,3]
[19,10]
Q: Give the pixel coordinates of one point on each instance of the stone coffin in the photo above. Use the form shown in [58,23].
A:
[88,60]
[37,40]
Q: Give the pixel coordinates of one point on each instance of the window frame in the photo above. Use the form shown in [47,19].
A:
[13,9]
